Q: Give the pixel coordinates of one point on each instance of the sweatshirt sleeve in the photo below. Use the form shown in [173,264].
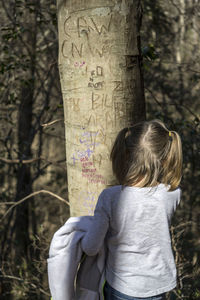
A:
[93,240]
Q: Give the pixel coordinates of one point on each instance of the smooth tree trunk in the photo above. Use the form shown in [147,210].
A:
[102,88]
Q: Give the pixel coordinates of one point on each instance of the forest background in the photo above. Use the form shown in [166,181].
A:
[32,138]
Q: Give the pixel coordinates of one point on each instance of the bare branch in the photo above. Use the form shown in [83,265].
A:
[14,204]
[11,277]
[51,123]
[156,100]
[17,161]
[29,161]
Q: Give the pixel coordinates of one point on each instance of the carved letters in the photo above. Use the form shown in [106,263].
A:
[84,27]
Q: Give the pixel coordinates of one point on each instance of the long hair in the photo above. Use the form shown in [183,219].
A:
[147,154]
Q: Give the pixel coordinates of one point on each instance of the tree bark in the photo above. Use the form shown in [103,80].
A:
[102,88]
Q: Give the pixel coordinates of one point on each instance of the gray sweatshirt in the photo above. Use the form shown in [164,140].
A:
[134,223]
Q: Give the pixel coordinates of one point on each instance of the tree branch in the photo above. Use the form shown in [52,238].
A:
[28,161]
[18,161]
[51,123]
[14,204]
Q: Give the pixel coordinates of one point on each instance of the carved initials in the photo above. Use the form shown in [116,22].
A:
[82,26]
[119,86]
[65,26]
[97,159]
[103,27]
[79,51]
[92,120]
[109,120]
[97,101]
[119,111]
[103,50]
[100,138]
[63,47]
[99,71]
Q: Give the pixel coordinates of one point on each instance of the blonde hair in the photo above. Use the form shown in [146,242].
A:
[147,154]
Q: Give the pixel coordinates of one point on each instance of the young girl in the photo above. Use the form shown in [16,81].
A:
[133,218]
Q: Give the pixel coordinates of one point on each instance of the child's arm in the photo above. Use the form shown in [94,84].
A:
[93,240]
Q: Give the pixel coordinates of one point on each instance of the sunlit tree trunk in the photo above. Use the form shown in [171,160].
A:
[102,88]
[180,47]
